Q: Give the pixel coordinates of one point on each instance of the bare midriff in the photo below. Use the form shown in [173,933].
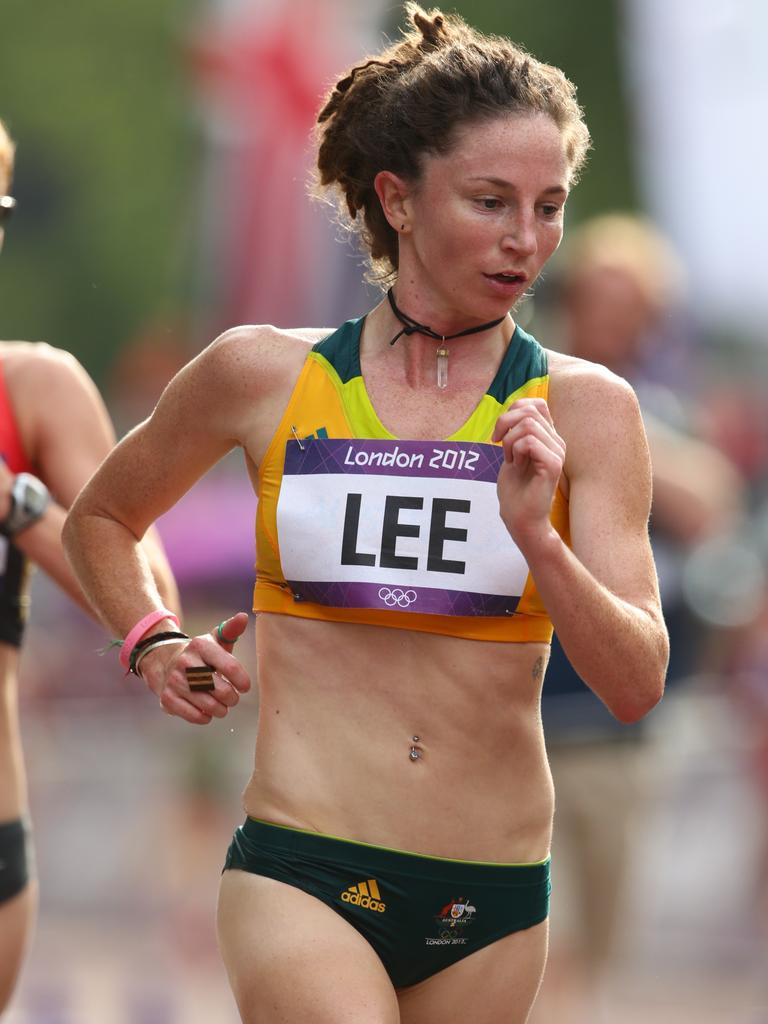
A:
[425,743]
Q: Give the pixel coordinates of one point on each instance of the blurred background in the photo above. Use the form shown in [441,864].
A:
[162,166]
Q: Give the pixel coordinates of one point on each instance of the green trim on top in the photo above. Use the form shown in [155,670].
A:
[523,361]
[342,349]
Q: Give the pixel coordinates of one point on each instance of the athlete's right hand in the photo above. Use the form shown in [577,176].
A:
[163,671]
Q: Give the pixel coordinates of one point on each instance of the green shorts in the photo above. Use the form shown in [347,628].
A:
[420,914]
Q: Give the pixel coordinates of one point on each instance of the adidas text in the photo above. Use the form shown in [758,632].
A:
[363,901]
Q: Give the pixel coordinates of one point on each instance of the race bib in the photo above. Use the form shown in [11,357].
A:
[409,525]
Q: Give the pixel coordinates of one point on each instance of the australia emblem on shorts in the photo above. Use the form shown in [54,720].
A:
[452,922]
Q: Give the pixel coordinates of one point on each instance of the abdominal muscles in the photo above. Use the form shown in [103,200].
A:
[402,739]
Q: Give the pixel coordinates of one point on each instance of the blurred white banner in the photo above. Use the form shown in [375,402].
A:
[698,82]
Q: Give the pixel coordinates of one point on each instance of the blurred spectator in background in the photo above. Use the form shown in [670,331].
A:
[54,432]
[621,302]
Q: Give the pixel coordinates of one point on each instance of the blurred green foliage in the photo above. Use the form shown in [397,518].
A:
[96,96]
[99,99]
[583,40]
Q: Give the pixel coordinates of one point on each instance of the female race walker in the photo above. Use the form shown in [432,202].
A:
[54,432]
[435,490]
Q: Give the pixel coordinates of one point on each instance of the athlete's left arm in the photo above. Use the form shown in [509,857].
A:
[602,593]
[66,432]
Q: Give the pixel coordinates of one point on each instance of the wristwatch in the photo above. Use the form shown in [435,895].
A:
[29,500]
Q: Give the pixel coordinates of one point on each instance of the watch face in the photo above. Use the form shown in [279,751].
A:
[34,499]
[29,500]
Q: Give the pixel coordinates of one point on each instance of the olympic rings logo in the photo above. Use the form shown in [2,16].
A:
[401,598]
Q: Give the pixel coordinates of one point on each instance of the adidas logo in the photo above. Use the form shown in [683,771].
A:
[365,894]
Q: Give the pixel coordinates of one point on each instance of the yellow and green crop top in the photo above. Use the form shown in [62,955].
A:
[356,525]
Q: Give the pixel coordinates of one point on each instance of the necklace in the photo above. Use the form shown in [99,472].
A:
[411,326]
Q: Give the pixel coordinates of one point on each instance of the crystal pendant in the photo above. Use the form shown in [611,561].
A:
[442,367]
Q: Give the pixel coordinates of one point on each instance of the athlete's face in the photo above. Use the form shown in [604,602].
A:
[486,217]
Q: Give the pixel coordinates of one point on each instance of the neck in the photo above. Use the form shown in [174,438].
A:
[413,326]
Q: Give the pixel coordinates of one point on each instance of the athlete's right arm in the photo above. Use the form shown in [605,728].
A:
[227,396]
[65,432]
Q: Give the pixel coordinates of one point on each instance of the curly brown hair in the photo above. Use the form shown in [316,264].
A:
[390,111]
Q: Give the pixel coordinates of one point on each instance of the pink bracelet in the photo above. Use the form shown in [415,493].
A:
[140,629]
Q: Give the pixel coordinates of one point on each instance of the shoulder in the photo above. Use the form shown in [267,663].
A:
[264,339]
[38,361]
[588,394]
[572,380]
[260,355]
[53,399]
[41,380]
[238,386]
[596,412]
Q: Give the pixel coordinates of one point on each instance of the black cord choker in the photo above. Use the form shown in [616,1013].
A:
[411,326]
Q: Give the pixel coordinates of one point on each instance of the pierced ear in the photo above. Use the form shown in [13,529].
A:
[394,195]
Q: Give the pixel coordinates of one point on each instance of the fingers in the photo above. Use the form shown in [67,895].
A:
[535,408]
[229,631]
[526,436]
[175,705]
[205,650]
[201,707]
[529,449]
[167,676]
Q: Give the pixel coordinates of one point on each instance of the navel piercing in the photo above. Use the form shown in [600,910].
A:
[414,754]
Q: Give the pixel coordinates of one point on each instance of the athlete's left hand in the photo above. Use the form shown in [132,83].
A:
[164,672]
[534,456]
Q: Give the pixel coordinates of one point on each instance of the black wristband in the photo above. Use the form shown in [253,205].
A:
[151,639]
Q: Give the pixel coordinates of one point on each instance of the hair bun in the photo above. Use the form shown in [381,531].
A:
[432,29]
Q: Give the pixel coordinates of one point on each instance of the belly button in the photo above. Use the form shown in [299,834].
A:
[415,752]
